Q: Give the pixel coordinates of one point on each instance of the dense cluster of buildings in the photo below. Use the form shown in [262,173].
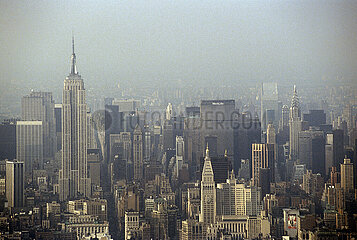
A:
[217,170]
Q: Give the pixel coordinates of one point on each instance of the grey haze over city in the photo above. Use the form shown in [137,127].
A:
[163,42]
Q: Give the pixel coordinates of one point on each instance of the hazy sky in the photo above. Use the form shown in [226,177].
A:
[134,42]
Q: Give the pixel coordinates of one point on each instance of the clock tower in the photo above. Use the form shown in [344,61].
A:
[208,193]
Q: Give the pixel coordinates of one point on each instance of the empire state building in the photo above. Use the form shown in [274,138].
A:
[73,176]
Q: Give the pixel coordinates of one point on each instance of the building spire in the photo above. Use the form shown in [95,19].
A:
[295,105]
[207,151]
[295,98]
[73,60]
[72,44]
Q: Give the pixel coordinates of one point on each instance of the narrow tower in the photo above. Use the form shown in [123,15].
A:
[295,126]
[138,153]
[208,192]
[73,176]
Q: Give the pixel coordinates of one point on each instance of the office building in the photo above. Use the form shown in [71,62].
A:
[312,150]
[39,106]
[120,156]
[217,117]
[246,132]
[243,227]
[263,156]
[284,122]
[192,139]
[159,220]
[180,153]
[271,134]
[221,166]
[338,147]
[73,175]
[193,229]
[15,182]
[127,105]
[328,154]
[138,161]
[270,112]
[169,112]
[147,143]
[58,120]
[93,162]
[91,134]
[29,142]
[85,225]
[334,145]
[168,135]
[226,196]
[315,118]
[347,181]
[244,170]
[173,221]
[8,141]
[235,198]
[131,224]
[113,124]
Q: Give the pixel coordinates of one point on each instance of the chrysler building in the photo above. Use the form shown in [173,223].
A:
[295,126]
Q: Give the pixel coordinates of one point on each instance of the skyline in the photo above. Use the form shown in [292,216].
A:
[178,120]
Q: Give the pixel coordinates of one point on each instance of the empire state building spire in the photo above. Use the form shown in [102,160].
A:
[73,176]
[73,60]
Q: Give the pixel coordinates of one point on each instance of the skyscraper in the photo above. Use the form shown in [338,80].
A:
[179,153]
[269,104]
[235,198]
[338,149]
[295,126]
[262,157]
[8,141]
[221,166]
[138,153]
[91,138]
[58,118]
[169,112]
[315,118]
[347,175]
[312,150]
[192,139]
[271,134]
[15,183]
[284,117]
[147,145]
[39,106]
[120,156]
[73,176]
[131,224]
[29,142]
[246,132]
[217,117]
[208,193]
